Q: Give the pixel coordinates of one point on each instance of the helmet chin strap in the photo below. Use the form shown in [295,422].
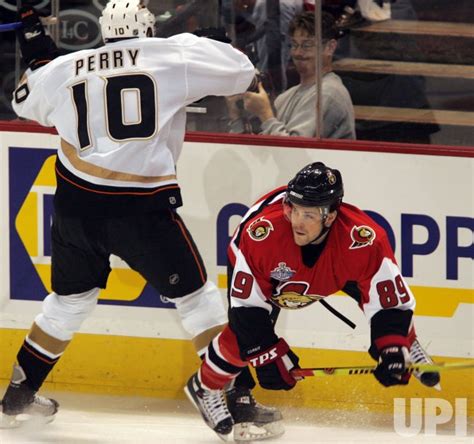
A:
[324,215]
[320,235]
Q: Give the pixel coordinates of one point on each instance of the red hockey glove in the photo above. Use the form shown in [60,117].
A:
[391,369]
[273,366]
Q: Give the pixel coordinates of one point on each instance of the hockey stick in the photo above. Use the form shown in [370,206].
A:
[366,370]
[336,313]
[10,26]
[46,21]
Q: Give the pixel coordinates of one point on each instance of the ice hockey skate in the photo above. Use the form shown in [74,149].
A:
[419,356]
[253,421]
[22,405]
[212,406]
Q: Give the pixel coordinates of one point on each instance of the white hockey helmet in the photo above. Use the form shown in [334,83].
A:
[126,19]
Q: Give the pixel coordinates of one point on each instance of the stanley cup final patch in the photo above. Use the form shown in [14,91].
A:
[260,229]
[362,236]
[282,272]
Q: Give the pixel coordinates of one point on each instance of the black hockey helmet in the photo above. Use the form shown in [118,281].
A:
[316,185]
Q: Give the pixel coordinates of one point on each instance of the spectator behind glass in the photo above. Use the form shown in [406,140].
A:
[294,110]
[261,31]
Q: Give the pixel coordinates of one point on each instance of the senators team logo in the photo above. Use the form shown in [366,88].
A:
[362,236]
[292,296]
[260,229]
[331,177]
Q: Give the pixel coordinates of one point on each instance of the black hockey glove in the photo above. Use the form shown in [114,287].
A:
[390,343]
[391,369]
[37,48]
[273,366]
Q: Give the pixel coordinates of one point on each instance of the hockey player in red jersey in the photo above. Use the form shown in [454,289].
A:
[295,246]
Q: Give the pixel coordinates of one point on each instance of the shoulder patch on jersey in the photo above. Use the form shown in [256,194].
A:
[260,229]
[362,236]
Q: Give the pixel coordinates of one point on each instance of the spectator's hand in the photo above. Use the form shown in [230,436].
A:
[259,104]
[232,107]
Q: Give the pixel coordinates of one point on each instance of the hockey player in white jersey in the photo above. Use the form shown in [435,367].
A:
[120,113]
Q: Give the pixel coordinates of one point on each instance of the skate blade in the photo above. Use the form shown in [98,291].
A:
[8,422]
[190,397]
[24,421]
[249,431]
[225,438]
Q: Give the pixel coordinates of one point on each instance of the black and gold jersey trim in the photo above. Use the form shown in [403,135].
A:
[77,197]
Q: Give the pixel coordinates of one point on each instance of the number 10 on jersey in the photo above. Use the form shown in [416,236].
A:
[119,128]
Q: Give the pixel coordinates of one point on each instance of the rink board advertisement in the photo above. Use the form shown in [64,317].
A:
[425,203]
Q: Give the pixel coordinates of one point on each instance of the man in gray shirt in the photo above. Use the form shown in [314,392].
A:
[294,110]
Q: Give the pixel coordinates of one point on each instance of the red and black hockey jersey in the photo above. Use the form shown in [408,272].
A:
[270,269]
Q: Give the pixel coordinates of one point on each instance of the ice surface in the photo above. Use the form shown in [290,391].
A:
[92,419]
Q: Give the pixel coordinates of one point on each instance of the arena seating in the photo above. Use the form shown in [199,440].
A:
[396,60]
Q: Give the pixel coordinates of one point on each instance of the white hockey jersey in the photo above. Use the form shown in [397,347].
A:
[119,110]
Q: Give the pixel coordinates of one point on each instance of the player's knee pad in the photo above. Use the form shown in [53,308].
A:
[62,316]
[202,309]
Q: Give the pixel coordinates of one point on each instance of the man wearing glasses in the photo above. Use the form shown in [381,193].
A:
[293,112]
